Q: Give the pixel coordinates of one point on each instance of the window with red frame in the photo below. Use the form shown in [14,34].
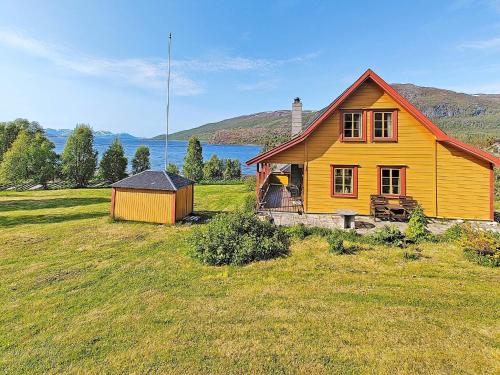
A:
[392,181]
[344,181]
[352,126]
[385,125]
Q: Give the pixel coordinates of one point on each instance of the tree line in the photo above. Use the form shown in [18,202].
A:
[28,156]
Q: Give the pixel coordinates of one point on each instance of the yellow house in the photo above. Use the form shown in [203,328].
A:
[371,141]
[152,196]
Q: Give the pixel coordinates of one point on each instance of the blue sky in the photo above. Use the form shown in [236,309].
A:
[104,62]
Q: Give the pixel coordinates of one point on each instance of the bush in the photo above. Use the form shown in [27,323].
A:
[336,244]
[453,233]
[250,203]
[417,226]
[480,246]
[413,254]
[237,238]
[250,182]
[388,235]
[299,231]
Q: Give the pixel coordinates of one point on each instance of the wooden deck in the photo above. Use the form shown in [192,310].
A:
[278,198]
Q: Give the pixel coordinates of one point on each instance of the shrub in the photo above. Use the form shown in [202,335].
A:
[250,182]
[388,235]
[413,254]
[417,226]
[250,203]
[237,238]
[212,169]
[299,231]
[480,246]
[336,245]
[453,233]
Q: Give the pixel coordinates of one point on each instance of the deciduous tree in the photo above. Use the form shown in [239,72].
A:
[79,158]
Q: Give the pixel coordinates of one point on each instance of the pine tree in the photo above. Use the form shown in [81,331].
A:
[193,161]
[113,165]
[140,162]
[79,159]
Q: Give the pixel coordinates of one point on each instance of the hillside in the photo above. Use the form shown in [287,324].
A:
[473,118]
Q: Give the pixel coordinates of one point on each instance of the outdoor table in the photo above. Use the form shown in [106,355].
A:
[395,209]
[349,217]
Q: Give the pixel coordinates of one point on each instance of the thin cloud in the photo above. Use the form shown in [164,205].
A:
[259,86]
[144,73]
[487,44]
[224,63]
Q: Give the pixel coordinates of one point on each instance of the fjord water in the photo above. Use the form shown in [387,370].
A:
[176,150]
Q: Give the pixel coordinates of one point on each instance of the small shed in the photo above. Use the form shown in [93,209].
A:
[152,196]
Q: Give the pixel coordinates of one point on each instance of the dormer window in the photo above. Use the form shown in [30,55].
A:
[385,126]
[353,126]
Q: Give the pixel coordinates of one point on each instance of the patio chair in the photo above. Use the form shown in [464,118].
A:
[378,207]
[409,204]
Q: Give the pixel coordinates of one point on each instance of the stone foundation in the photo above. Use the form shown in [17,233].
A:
[364,224]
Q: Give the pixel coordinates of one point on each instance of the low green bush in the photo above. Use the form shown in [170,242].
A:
[453,233]
[237,238]
[480,246]
[412,254]
[250,182]
[299,231]
[336,245]
[417,226]
[387,235]
[250,203]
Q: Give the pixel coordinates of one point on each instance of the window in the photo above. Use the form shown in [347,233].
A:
[392,181]
[353,126]
[344,181]
[384,126]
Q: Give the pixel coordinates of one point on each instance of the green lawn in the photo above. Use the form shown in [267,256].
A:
[81,294]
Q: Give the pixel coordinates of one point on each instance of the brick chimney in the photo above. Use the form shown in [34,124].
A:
[296,117]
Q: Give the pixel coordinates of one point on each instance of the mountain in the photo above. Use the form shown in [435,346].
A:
[98,133]
[473,118]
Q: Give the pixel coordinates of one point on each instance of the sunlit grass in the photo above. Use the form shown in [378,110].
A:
[82,294]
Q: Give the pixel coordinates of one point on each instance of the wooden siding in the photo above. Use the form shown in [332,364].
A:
[445,180]
[463,185]
[415,149]
[294,155]
[144,205]
[184,202]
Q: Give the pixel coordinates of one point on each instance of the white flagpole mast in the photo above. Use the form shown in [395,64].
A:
[168,99]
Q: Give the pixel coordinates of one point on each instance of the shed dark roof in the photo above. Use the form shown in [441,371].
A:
[154,180]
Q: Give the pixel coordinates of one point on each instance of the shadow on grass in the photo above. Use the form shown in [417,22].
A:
[6,222]
[38,204]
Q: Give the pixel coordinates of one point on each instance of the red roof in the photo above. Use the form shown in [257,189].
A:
[369,74]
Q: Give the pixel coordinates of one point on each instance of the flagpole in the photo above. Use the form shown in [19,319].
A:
[168,99]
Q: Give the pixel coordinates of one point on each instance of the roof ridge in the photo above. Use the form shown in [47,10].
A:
[170,180]
[440,135]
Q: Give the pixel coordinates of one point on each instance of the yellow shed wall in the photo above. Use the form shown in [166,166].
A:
[144,205]
[463,185]
[415,149]
[184,202]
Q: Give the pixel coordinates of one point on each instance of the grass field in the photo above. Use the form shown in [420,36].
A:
[81,294]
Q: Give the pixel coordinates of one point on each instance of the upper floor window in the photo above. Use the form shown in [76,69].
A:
[353,126]
[385,126]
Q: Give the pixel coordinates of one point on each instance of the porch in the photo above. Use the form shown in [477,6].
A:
[279,188]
